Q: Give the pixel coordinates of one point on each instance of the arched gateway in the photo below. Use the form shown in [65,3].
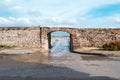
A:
[46,34]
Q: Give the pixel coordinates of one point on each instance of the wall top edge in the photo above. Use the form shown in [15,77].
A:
[37,27]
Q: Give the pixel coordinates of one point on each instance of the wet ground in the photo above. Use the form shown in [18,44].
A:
[100,58]
[71,66]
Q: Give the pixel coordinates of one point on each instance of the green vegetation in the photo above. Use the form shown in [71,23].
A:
[7,46]
[112,46]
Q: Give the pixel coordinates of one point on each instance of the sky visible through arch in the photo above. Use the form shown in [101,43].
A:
[60,33]
[55,13]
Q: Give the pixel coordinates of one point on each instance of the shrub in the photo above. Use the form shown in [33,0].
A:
[112,46]
[7,46]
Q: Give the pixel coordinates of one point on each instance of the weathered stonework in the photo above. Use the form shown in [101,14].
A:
[21,37]
[97,37]
[39,37]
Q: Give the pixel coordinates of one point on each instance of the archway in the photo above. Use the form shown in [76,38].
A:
[59,41]
[46,37]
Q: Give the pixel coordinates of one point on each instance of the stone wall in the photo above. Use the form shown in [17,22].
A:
[21,37]
[96,37]
[38,37]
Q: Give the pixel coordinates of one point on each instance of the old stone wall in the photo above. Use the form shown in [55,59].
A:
[96,37]
[21,37]
[39,37]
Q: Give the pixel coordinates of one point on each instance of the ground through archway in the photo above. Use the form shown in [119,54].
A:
[59,43]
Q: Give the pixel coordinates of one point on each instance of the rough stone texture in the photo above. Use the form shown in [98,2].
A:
[97,37]
[40,36]
[21,37]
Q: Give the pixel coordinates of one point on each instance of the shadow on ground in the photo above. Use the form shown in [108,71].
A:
[95,56]
[63,78]
[87,53]
[16,70]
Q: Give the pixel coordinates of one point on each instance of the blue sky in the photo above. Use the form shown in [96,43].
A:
[57,13]
[60,33]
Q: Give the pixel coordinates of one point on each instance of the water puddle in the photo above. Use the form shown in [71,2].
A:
[24,58]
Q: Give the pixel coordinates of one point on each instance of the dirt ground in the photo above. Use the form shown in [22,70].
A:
[71,66]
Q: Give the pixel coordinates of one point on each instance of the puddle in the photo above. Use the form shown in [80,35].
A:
[24,58]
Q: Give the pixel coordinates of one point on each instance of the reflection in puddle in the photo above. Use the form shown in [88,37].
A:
[26,58]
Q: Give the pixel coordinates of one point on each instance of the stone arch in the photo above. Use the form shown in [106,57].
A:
[49,39]
[46,31]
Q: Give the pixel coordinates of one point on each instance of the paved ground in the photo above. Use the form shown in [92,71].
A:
[69,67]
[94,50]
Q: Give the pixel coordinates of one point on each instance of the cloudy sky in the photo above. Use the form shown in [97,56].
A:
[69,13]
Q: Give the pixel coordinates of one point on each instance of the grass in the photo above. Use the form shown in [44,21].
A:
[7,46]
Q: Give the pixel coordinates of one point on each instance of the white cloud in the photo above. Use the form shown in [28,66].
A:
[8,0]
[55,12]
[17,7]
[3,20]
[57,22]
[23,20]
[11,21]
[115,18]
[118,20]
